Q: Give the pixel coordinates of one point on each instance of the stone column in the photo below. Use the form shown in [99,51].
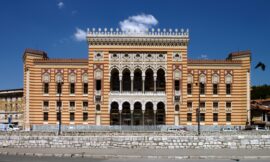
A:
[131,113]
[120,79]
[155,113]
[143,79]
[143,117]
[132,78]
[120,113]
[155,83]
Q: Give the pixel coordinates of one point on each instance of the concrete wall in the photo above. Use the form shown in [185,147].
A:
[139,141]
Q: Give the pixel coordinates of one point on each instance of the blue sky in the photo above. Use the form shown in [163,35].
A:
[216,28]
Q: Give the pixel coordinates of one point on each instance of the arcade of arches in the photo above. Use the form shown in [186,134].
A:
[138,116]
[138,81]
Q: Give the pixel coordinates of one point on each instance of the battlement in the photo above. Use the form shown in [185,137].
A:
[153,37]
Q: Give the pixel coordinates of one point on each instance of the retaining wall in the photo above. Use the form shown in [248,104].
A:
[164,142]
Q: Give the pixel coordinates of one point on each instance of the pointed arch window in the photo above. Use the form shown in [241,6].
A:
[189,84]
[215,81]
[85,83]
[59,80]
[46,81]
[72,80]
[202,84]
[228,82]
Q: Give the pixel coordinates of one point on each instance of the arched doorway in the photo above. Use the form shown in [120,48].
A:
[114,114]
[137,85]
[161,81]
[160,115]
[126,114]
[126,80]
[115,83]
[149,80]
[137,114]
[149,114]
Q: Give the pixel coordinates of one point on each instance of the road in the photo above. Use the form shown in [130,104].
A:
[14,158]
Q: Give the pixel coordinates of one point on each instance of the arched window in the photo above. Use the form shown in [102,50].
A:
[59,80]
[161,80]
[126,114]
[202,84]
[215,81]
[160,116]
[189,84]
[149,114]
[126,81]
[228,81]
[115,82]
[97,107]
[85,83]
[137,114]
[149,80]
[114,114]
[72,80]
[46,81]
[137,83]
[176,108]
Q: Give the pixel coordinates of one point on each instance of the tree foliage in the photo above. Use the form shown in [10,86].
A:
[260,92]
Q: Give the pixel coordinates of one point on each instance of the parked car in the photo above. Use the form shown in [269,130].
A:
[8,127]
[261,129]
[176,129]
[228,129]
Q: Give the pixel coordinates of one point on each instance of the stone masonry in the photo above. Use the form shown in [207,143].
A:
[152,142]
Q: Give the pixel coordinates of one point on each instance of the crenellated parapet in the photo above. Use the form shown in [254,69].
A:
[153,37]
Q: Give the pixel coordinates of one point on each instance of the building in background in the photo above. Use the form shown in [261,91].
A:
[143,78]
[11,106]
[260,113]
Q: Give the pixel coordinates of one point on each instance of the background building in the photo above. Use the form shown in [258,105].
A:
[260,113]
[140,78]
[11,106]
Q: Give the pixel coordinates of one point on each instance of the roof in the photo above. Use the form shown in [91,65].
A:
[35,52]
[214,61]
[8,90]
[11,93]
[239,53]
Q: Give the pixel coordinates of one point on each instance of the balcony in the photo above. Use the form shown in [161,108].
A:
[138,96]
[45,108]
[189,109]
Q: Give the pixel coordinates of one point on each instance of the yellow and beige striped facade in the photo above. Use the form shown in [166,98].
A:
[137,79]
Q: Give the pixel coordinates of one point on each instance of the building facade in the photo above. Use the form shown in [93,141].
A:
[11,106]
[142,78]
[260,113]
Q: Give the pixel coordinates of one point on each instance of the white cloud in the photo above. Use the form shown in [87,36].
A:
[60,5]
[138,23]
[204,57]
[80,35]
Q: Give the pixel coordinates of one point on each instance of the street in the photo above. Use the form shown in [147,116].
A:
[13,158]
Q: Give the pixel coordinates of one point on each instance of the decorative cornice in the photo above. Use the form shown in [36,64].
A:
[138,38]
[61,61]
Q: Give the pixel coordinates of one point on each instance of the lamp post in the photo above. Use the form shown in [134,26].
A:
[60,105]
[199,111]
